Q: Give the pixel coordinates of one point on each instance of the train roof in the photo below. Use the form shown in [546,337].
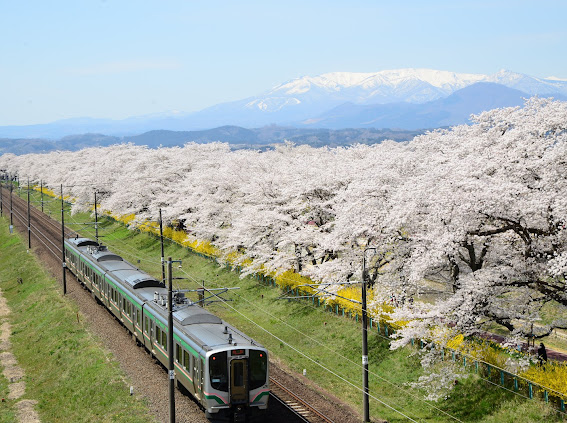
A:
[197,323]
[115,265]
[82,242]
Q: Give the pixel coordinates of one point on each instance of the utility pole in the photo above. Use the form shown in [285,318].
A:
[170,341]
[63,242]
[29,217]
[96,218]
[365,338]
[11,212]
[162,254]
[41,196]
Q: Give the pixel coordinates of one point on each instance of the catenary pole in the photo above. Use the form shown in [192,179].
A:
[162,253]
[63,242]
[170,341]
[365,339]
[96,219]
[1,199]
[29,217]
[11,212]
[41,183]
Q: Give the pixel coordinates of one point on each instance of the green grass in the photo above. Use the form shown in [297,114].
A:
[7,413]
[67,371]
[323,337]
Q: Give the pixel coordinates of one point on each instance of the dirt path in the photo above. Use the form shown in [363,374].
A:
[25,411]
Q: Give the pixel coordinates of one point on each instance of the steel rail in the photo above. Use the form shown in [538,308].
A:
[297,398]
[287,407]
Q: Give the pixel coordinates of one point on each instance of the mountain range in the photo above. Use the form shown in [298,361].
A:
[405,99]
[238,137]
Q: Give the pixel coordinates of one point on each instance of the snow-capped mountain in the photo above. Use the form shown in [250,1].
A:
[391,86]
[403,85]
[403,98]
[529,84]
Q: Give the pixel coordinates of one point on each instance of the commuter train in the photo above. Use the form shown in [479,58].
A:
[223,369]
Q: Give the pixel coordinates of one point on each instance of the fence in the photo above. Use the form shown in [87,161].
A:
[487,371]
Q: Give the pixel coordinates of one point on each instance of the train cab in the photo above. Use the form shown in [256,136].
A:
[237,384]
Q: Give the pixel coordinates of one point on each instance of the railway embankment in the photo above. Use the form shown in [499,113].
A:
[308,339]
[53,368]
[23,409]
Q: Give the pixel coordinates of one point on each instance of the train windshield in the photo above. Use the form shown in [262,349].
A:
[258,364]
[218,371]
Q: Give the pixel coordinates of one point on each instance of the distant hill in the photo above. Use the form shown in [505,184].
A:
[259,138]
[229,134]
[72,143]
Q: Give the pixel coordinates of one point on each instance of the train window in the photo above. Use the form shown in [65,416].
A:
[164,339]
[146,325]
[158,335]
[258,362]
[178,356]
[186,360]
[238,373]
[138,318]
[218,371]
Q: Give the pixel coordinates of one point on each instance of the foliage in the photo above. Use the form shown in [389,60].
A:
[552,375]
[469,222]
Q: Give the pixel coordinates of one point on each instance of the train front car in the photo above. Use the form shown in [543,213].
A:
[236,387]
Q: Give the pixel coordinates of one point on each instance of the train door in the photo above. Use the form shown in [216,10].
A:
[152,336]
[120,307]
[201,373]
[197,377]
[238,381]
[107,289]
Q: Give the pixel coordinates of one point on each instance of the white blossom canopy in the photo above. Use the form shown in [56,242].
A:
[474,214]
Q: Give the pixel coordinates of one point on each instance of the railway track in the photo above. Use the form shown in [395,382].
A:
[286,405]
[302,409]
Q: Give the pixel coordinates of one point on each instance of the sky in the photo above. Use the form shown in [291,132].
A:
[63,59]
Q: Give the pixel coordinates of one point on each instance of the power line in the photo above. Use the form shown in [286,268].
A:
[257,307]
[312,359]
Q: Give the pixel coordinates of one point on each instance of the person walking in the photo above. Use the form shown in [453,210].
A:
[541,354]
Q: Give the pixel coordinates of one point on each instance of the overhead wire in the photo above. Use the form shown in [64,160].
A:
[305,355]
[295,329]
[348,359]
[20,217]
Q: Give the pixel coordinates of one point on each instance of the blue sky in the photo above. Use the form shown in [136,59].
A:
[121,58]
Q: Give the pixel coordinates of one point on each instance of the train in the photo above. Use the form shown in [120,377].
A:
[224,370]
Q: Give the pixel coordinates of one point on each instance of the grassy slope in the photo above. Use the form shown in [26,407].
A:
[321,336]
[66,368]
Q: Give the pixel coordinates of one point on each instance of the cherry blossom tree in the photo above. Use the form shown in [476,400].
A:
[470,218]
